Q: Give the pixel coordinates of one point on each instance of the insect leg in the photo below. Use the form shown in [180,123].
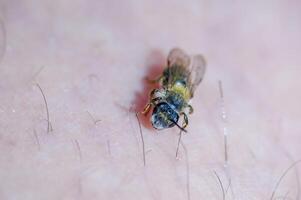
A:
[149,105]
[190,109]
[155,96]
[146,108]
[154,81]
[185,122]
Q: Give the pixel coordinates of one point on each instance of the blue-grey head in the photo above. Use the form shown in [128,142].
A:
[164,117]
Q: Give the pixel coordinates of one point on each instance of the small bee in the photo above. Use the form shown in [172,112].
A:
[178,83]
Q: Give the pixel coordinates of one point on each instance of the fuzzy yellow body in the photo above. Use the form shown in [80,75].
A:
[181,90]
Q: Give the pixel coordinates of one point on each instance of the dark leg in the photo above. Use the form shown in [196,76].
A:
[185,122]
[190,109]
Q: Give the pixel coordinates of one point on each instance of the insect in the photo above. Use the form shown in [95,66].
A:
[178,83]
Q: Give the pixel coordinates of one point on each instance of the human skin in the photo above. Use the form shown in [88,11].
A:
[91,59]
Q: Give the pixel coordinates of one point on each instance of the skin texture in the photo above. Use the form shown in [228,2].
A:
[90,58]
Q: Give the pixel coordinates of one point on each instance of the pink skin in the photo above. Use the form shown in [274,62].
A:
[94,57]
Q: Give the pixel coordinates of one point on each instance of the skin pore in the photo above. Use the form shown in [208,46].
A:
[90,60]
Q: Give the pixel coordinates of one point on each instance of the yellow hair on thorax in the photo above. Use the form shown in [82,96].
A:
[182,90]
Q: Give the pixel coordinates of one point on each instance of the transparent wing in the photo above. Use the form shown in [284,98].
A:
[178,57]
[198,69]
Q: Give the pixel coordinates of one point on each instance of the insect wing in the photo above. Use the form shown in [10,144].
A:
[178,57]
[198,69]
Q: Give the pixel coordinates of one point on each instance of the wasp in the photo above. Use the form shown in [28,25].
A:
[177,85]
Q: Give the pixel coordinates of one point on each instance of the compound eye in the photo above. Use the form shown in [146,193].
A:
[164,116]
[158,122]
